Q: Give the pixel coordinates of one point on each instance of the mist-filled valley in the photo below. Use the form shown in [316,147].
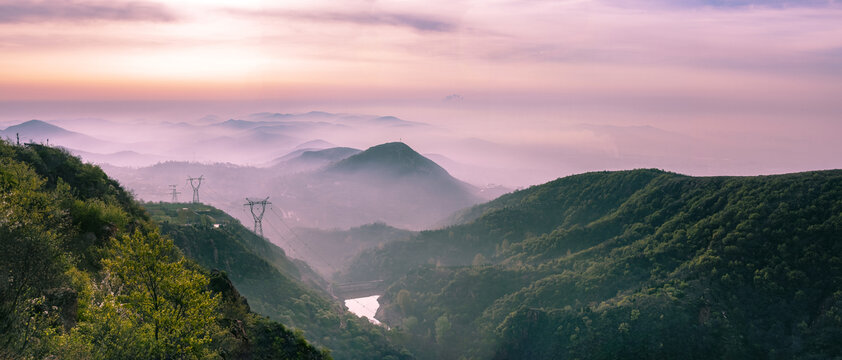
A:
[633,257]
[307,224]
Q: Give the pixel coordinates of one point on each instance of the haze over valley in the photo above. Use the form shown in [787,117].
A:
[327,171]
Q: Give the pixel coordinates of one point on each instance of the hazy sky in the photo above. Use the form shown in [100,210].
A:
[751,72]
[521,51]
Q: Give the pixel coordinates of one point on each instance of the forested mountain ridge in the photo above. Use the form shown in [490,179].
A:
[86,275]
[631,264]
[488,228]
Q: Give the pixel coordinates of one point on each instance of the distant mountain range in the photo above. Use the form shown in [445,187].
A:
[331,189]
[256,139]
[313,184]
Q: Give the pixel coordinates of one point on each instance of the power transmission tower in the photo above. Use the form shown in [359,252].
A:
[258,216]
[174,193]
[195,187]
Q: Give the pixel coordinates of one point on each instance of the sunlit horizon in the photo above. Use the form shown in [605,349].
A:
[700,87]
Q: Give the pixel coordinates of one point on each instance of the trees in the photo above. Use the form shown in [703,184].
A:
[73,286]
[32,261]
[404,301]
[149,304]
[165,302]
[442,328]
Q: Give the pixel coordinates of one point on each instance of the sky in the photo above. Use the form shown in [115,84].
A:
[760,79]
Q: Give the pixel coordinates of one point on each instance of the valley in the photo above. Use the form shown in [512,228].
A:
[381,253]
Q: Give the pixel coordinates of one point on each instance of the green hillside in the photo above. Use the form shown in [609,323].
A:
[273,285]
[492,227]
[86,275]
[631,264]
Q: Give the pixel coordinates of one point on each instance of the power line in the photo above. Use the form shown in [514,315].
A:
[295,253]
[315,253]
[302,242]
[311,250]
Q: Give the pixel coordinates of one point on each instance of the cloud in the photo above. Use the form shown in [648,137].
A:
[76,11]
[412,21]
[735,36]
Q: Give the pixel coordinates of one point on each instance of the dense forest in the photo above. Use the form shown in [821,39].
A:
[630,264]
[87,275]
[284,290]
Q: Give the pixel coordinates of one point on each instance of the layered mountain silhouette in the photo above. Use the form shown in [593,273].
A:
[38,131]
[253,139]
[389,183]
[330,188]
[315,184]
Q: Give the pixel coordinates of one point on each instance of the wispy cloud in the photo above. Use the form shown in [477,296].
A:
[412,21]
[77,11]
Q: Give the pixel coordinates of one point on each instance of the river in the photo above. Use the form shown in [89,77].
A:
[364,306]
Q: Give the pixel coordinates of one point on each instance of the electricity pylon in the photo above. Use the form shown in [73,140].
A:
[174,193]
[258,216]
[195,187]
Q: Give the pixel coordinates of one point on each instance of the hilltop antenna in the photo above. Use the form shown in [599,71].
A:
[195,187]
[174,193]
[258,216]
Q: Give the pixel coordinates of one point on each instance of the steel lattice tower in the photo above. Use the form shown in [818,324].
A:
[174,193]
[258,216]
[195,187]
